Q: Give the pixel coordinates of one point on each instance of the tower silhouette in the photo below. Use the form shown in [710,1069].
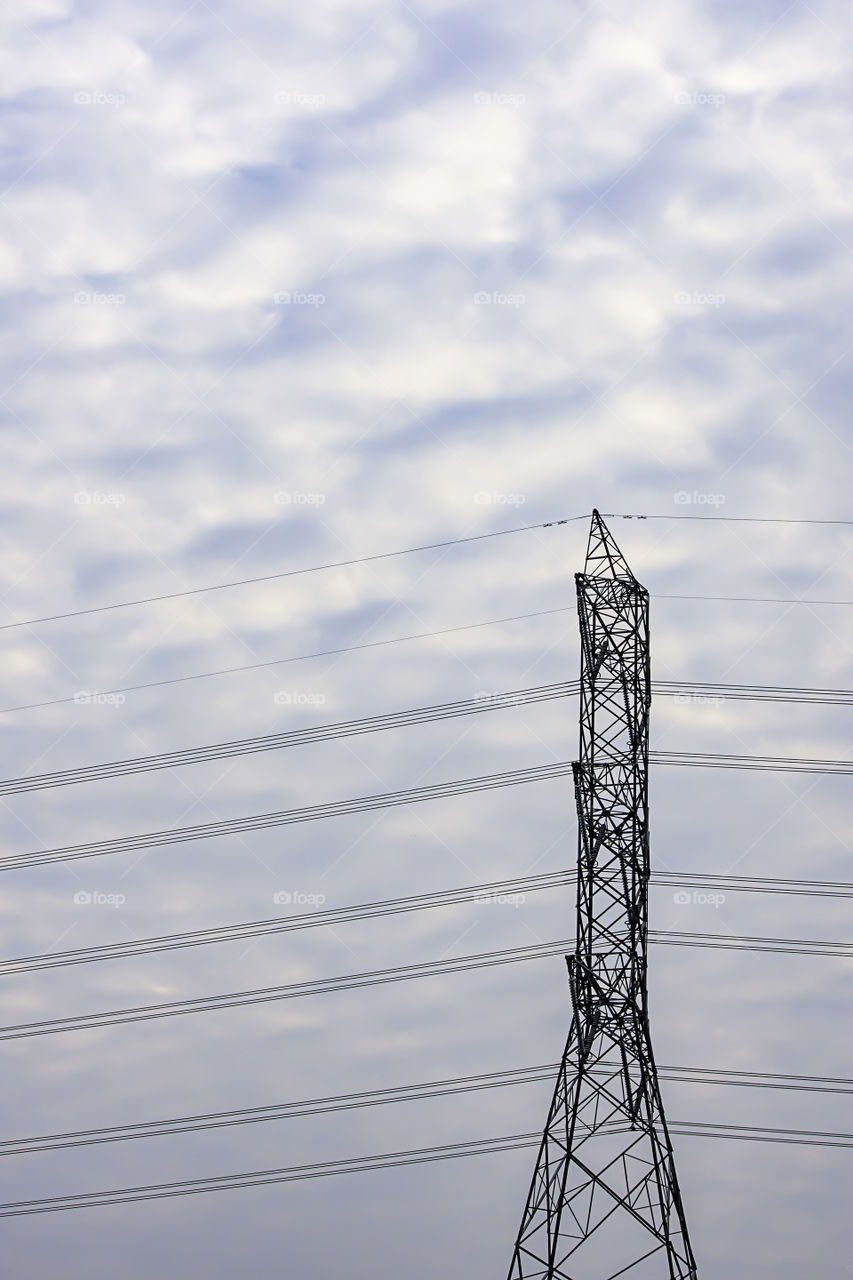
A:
[604,1200]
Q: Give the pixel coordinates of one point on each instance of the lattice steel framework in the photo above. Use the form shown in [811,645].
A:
[604,1199]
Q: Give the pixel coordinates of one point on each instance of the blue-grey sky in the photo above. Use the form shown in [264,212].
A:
[285,285]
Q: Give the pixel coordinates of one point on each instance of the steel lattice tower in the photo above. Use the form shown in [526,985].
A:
[604,1200]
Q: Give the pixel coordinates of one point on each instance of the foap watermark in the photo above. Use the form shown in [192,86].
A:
[296,298]
[700,699]
[93,498]
[85,699]
[298,698]
[298,898]
[498,298]
[499,699]
[94,898]
[298,98]
[92,298]
[694,499]
[500,899]
[295,498]
[698,298]
[698,898]
[499,98]
[698,98]
[98,98]
[498,498]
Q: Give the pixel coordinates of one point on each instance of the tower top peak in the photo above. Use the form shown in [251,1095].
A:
[603,557]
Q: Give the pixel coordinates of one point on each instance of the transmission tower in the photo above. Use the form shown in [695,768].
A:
[604,1199]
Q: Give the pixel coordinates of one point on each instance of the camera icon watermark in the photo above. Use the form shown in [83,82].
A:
[498,298]
[298,898]
[98,98]
[296,298]
[295,498]
[699,99]
[94,898]
[499,99]
[92,498]
[92,298]
[698,898]
[499,699]
[86,699]
[500,899]
[298,698]
[698,298]
[296,98]
[499,499]
[684,499]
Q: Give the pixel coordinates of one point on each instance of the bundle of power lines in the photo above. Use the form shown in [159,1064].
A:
[478,705]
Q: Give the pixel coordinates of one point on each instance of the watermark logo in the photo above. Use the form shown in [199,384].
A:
[499,499]
[500,899]
[298,898]
[94,898]
[293,498]
[298,698]
[698,898]
[497,298]
[700,699]
[84,699]
[499,699]
[92,498]
[98,98]
[91,298]
[696,298]
[685,499]
[699,99]
[499,99]
[296,98]
[294,298]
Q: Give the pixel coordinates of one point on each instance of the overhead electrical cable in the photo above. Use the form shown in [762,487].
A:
[494,891]
[774,764]
[285,817]
[389,1160]
[289,573]
[385,800]
[291,738]
[480,703]
[400,973]
[280,662]
[399,1093]
[404,551]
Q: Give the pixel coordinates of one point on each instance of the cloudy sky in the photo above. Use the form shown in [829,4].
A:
[285,285]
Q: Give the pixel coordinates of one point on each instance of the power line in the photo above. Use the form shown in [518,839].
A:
[279,662]
[656,595]
[404,551]
[384,800]
[491,891]
[296,1173]
[705,691]
[288,573]
[286,817]
[290,738]
[394,1094]
[775,764]
[400,973]
[685,690]
[286,924]
[612,515]
[275,1111]
[735,942]
[387,1160]
[285,991]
